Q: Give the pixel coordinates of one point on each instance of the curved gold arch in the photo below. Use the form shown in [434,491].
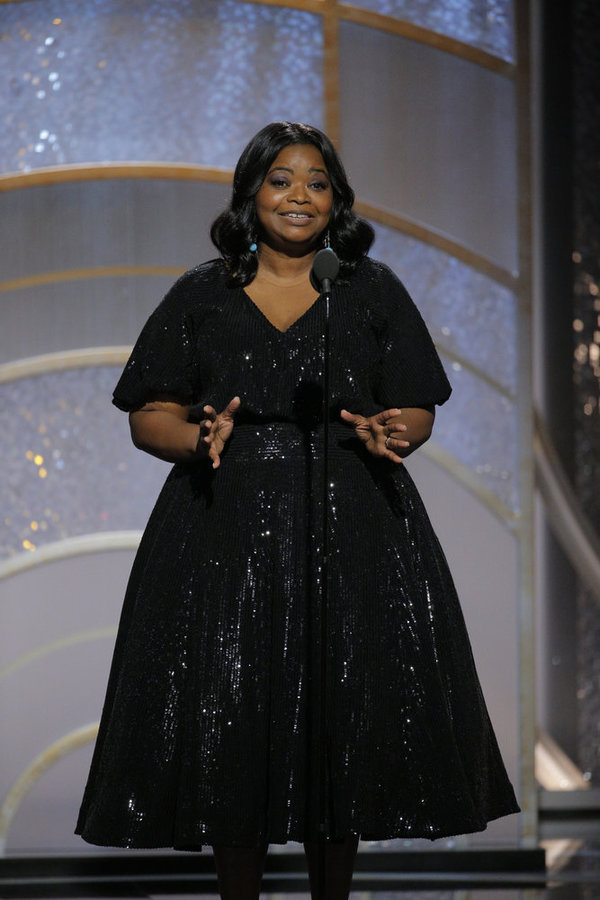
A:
[433,238]
[75,546]
[469,480]
[36,768]
[63,360]
[42,650]
[61,275]
[12,181]
[434,39]
[188,172]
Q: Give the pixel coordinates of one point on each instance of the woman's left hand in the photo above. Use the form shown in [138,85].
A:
[379,433]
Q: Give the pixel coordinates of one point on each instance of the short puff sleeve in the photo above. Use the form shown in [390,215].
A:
[410,372]
[162,360]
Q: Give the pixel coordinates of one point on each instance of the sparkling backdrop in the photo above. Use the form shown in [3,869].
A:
[68,465]
[487,24]
[184,81]
[474,318]
[488,444]
[468,314]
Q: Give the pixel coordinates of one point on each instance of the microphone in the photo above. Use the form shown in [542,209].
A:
[324,270]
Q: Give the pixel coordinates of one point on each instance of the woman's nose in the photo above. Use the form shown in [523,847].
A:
[298,194]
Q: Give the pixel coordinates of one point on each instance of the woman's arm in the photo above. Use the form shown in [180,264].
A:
[161,428]
[419,425]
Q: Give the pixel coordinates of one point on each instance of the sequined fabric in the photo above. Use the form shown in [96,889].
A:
[210,731]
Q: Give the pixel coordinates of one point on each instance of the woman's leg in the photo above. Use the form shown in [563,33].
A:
[338,866]
[239,871]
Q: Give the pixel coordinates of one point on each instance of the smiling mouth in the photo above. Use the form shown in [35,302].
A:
[293,215]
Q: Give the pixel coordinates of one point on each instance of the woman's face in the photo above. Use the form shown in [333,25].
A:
[294,202]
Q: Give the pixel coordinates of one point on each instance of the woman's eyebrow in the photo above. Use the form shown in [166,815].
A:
[291,171]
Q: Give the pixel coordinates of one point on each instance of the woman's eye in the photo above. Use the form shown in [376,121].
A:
[279,182]
[319,186]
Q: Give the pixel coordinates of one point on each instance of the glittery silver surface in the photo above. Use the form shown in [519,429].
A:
[475,318]
[487,24]
[480,430]
[68,465]
[187,80]
[467,313]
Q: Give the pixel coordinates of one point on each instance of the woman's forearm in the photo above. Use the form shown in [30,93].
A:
[165,435]
[419,425]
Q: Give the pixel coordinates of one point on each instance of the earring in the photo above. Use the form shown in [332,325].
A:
[326,243]
[253,247]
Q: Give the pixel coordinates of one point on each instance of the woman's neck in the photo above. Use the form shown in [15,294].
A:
[278,267]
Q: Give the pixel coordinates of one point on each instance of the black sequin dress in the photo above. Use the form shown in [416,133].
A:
[210,730]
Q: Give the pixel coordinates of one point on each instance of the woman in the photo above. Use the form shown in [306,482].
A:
[211,731]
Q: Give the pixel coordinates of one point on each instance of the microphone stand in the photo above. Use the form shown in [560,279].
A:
[324,271]
[323,641]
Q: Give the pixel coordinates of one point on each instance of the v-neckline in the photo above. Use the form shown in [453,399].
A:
[271,324]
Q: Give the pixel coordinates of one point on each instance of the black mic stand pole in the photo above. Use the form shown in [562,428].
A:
[325,269]
[323,637]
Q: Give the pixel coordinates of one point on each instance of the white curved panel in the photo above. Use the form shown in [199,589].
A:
[56,642]
[74,314]
[36,768]
[114,222]
[441,145]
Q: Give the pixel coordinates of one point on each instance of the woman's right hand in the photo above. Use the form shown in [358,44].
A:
[216,430]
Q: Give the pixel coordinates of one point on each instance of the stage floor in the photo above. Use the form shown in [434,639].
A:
[572,873]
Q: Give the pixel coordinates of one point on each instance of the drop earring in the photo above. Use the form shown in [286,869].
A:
[326,243]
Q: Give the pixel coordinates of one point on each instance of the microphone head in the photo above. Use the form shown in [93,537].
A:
[325,268]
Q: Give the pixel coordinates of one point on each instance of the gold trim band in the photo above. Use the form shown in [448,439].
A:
[71,640]
[42,278]
[434,239]
[64,359]
[30,774]
[421,35]
[112,170]
[468,479]
[75,546]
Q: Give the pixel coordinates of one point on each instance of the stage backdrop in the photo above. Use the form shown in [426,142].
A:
[119,130]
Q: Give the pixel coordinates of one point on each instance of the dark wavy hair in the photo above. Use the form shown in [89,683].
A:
[237,227]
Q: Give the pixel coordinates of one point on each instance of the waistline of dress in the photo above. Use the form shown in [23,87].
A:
[280,440]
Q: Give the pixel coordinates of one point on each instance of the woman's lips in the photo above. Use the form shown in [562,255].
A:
[296,217]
